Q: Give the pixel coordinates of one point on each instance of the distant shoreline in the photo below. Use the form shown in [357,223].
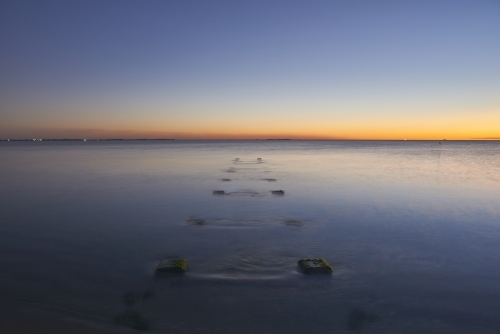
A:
[80,139]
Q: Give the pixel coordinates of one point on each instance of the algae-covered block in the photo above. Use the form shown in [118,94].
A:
[313,266]
[172,266]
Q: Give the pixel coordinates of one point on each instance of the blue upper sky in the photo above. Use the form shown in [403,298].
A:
[332,69]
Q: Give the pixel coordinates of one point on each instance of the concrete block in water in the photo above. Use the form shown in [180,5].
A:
[172,266]
[315,266]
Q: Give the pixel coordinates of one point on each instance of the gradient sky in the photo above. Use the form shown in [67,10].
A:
[250,69]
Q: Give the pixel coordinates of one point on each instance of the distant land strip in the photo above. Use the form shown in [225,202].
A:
[492,138]
[80,139]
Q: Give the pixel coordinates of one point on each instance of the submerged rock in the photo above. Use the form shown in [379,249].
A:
[278,192]
[172,266]
[195,221]
[269,180]
[130,298]
[315,266]
[358,317]
[149,293]
[292,222]
[219,192]
[227,180]
[132,319]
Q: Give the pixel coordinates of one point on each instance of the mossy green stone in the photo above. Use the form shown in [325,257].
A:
[313,266]
[172,266]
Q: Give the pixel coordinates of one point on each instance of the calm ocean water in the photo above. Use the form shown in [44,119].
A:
[412,230]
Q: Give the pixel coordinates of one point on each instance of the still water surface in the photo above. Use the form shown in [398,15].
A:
[412,230]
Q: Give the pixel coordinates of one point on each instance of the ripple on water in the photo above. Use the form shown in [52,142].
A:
[252,265]
[246,192]
[255,161]
[304,225]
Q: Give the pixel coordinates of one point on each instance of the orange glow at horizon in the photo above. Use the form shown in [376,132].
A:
[465,128]
[480,125]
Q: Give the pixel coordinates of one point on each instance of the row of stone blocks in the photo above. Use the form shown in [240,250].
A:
[308,266]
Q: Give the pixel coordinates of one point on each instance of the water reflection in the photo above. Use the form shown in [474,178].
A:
[410,228]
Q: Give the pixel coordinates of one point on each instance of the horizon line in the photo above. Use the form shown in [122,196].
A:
[239,139]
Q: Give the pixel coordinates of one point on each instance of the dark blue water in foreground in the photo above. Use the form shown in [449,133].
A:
[412,230]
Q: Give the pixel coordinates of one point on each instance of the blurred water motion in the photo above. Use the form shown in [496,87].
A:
[412,230]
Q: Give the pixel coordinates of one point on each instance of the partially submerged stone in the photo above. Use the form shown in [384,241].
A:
[149,293]
[278,192]
[227,180]
[292,222]
[195,221]
[270,180]
[219,192]
[130,298]
[315,266]
[359,317]
[172,266]
[132,319]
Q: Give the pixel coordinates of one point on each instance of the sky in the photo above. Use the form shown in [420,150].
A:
[250,69]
